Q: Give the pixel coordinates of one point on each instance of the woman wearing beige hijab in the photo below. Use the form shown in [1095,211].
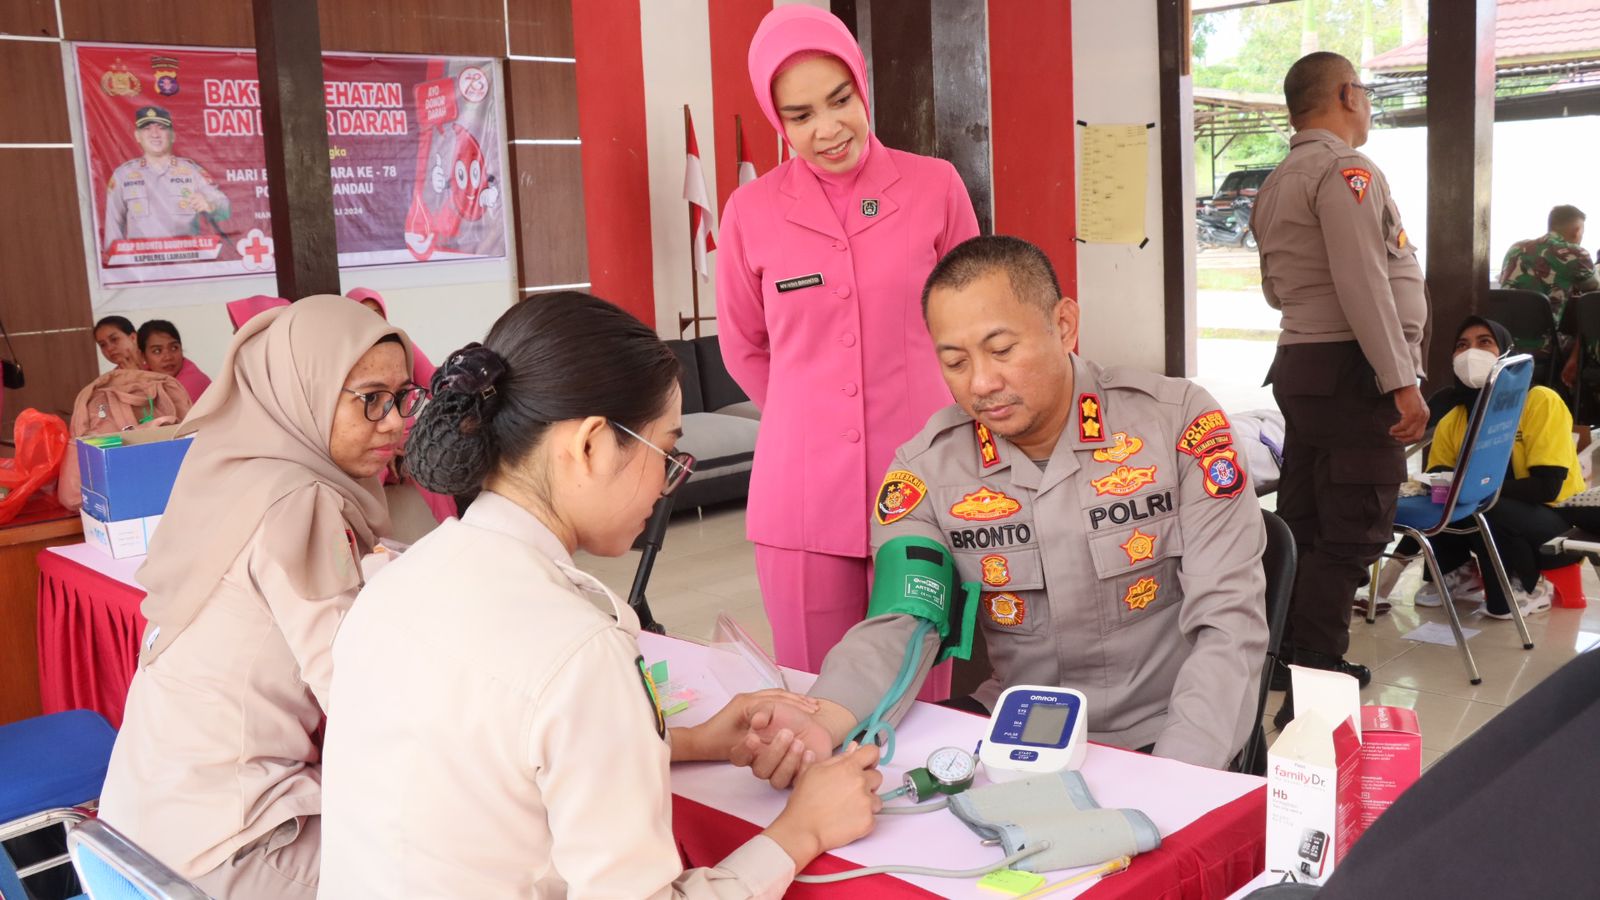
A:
[217,769]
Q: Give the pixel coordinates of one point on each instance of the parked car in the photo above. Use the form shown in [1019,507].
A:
[1239,183]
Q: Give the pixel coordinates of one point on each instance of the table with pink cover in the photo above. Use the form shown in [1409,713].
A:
[1212,823]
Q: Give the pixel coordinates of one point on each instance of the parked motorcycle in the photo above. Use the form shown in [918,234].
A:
[1229,228]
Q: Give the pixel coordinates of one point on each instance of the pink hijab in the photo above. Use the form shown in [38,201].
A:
[242,311]
[422,368]
[793,29]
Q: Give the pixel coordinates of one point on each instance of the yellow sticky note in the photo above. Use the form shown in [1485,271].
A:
[1010,881]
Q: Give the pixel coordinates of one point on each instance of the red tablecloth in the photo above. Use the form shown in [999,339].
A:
[89,630]
[1211,858]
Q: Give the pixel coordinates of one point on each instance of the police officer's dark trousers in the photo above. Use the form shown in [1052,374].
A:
[1341,478]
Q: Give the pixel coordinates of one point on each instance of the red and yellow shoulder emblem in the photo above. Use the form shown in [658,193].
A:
[1200,437]
[1359,180]
[1091,419]
[988,451]
[899,495]
[1224,478]
[1141,593]
[1125,480]
[984,505]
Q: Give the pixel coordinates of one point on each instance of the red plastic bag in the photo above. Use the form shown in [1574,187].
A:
[41,445]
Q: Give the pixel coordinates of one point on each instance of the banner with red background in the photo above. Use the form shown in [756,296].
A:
[414,144]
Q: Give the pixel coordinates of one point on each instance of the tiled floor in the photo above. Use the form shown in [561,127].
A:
[706,566]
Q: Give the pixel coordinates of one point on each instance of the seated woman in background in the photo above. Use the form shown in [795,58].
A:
[115,337]
[163,352]
[422,368]
[1544,471]
[216,770]
[494,732]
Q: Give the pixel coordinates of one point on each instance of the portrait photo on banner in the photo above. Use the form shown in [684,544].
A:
[177,166]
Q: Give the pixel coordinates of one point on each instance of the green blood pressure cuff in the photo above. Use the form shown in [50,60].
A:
[1054,807]
[916,576]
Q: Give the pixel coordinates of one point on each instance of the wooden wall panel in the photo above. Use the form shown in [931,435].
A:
[34,18]
[549,215]
[36,114]
[540,27]
[58,365]
[213,23]
[542,99]
[441,27]
[46,274]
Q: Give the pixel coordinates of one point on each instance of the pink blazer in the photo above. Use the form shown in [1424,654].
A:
[822,327]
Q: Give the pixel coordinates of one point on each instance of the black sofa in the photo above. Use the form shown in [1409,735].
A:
[719,426]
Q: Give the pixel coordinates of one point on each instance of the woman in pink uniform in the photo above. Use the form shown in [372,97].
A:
[819,284]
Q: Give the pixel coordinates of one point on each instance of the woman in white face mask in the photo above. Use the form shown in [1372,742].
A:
[1544,471]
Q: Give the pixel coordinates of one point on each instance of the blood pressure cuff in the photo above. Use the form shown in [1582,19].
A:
[916,576]
[1057,808]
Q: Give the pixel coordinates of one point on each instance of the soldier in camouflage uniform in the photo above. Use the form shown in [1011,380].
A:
[1556,266]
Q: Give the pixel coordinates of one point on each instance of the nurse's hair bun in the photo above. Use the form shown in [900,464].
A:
[452,446]
[551,358]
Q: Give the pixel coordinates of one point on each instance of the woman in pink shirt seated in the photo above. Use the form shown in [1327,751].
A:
[163,352]
[114,336]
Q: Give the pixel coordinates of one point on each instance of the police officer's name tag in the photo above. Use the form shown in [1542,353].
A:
[795,284]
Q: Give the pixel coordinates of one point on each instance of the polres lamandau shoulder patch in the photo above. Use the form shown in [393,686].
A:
[1359,180]
[650,695]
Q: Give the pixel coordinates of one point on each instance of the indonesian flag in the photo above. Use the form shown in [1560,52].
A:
[701,213]
[747,169]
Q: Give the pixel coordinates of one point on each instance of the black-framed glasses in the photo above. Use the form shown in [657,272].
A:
[680,465]
[377,404]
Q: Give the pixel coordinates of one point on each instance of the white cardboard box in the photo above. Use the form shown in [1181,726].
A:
[120,539]
[1313,784]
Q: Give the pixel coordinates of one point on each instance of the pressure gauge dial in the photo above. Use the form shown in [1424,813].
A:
[950,770]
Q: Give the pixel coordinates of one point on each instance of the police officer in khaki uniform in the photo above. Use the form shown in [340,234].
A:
[158,194]
[1106,514]
[1336,260]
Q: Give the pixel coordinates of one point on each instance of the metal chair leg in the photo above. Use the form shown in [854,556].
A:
[1372,592]
[1505,581]
[1449,603]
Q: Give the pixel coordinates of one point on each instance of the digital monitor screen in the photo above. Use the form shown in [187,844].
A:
[1045,724]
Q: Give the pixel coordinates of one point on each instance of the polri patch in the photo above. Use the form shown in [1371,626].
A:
[1140,547]
[801,283]
[1224,478]
[1006,610]
[1141,593]
[1200,436]
[1359,180]
[988,450]
[650,695]
[984,505]
[1091,424]
[996,570]
[899,495]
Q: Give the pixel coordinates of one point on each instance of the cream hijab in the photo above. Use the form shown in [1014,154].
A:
[261,434]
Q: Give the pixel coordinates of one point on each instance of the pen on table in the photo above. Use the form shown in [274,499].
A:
[1110,868]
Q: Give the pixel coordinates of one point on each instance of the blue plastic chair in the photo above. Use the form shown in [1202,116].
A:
[1480,472]
[53,761]
[112,867]
[10,874]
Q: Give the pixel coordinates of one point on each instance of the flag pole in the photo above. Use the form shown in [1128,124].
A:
[694,276]
[738,144]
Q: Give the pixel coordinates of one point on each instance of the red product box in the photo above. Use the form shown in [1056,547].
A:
[1391,758]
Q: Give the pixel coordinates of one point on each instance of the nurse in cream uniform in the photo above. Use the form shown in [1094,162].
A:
[819,284]
[494,732]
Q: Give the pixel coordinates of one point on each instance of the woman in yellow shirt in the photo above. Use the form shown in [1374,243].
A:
[1544,471]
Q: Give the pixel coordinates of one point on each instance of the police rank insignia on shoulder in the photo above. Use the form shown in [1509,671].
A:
[988,450]
[650,695]
[1200,437]
[1091,422]
[1359,180]
[1224,478]
[899,495]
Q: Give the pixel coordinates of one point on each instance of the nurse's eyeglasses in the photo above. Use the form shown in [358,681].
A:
[680,465]
[376,404]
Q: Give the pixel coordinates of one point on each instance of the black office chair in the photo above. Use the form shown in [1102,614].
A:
[1585,310]
[1527,315]
[1278,562]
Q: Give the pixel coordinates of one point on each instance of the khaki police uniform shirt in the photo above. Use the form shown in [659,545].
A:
[1128,567]
[492,734]
[144,201]
[1336,260]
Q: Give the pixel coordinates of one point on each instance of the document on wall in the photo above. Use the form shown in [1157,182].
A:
[1111,184]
